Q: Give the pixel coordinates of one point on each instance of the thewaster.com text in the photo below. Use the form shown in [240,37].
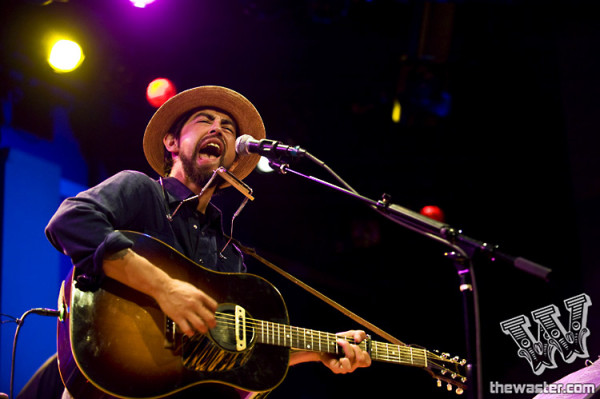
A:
[552,388]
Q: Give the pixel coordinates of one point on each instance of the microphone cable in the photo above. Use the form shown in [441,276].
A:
[20,321]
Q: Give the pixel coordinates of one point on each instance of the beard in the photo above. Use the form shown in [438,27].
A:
[195,174]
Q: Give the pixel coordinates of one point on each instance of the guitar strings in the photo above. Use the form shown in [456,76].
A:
[296,332]
[383,351]
[380,350]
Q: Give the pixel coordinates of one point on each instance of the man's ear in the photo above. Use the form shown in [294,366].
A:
[171,143]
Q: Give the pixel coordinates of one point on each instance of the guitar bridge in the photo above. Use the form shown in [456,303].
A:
[240,328]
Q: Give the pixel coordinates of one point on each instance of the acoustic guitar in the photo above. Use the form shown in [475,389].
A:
[115,342]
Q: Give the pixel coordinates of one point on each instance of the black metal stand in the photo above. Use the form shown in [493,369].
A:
[463,249]
[468,289]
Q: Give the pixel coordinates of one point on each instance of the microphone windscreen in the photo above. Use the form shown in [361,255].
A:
[241,144]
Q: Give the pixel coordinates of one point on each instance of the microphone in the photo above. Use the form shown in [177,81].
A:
[272,149]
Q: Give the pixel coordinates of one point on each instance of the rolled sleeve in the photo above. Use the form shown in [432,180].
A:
[85,227]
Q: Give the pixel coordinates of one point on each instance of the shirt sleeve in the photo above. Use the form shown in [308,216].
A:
[85,227]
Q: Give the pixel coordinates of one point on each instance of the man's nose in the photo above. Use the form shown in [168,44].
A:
[216,128]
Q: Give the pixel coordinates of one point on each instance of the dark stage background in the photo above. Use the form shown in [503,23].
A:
[499,101]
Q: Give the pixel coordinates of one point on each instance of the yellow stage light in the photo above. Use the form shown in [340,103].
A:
[396,111]
[65,56]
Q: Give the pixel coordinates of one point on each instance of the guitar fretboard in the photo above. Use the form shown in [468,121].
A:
[317,341]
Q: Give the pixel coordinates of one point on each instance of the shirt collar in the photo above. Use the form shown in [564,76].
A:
[177,189]
[178,192]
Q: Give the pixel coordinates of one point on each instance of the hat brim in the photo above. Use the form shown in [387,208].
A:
[245,115]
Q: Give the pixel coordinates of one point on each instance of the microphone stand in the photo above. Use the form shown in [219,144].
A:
[463,249]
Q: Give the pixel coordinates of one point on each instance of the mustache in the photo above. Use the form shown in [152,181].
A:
[202,143]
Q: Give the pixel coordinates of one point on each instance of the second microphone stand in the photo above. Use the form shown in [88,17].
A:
[462,250]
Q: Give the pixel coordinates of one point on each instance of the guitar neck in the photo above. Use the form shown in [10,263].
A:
[318,341]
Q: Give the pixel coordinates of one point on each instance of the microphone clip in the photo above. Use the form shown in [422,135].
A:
[277,150]
[280,167]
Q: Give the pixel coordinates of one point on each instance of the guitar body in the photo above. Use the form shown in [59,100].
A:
[116,342]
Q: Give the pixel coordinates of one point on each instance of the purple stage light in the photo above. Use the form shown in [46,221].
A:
[141,3]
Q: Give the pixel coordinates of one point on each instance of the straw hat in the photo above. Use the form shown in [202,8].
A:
[245,115]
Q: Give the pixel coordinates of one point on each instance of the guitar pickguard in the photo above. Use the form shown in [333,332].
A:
[217,351]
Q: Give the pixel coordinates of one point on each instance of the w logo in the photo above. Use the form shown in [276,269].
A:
[571,343]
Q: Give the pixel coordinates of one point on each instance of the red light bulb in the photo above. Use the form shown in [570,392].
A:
[433,212]
[159,91]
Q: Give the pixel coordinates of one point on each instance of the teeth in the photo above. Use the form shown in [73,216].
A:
[210,150]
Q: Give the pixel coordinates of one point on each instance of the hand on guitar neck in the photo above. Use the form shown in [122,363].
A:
[353,356]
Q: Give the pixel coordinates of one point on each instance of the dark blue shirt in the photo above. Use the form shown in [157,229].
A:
[86,227]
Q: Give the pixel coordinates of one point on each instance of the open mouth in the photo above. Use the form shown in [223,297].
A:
[211,149]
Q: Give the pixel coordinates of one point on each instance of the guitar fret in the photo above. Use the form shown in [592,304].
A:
[320,350]
[281,335]
[270,335]
[296,336]
[266,333]
[305,344]
[393,352]
[399,354]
